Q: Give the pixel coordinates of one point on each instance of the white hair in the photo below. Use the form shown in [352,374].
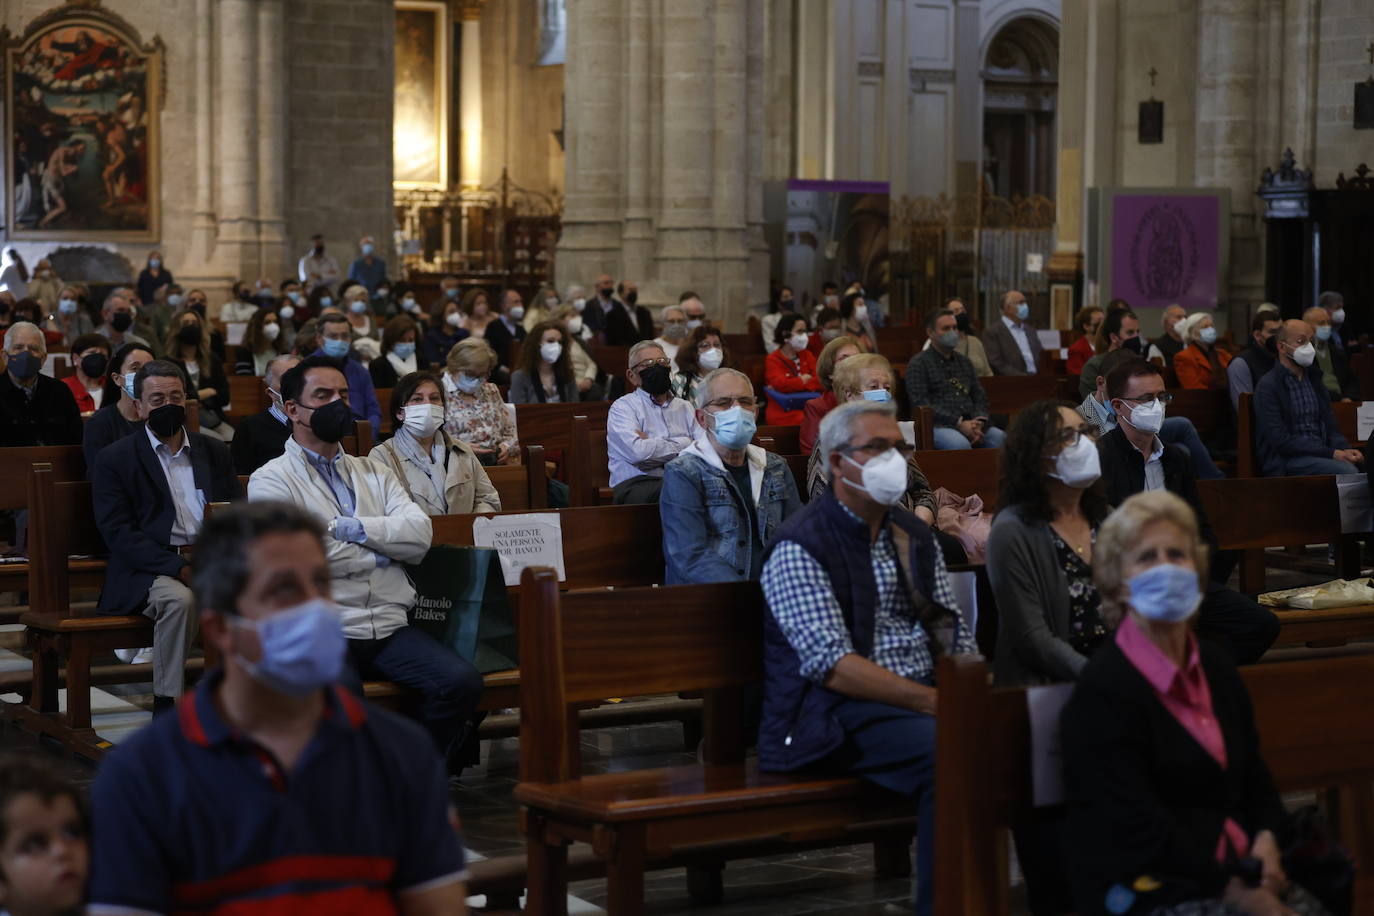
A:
[837,429]
[25,326]
[576,291]
[272,377]
[672,307]
[640,348]
[704,389]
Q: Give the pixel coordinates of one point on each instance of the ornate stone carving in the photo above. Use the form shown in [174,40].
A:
[1362,181]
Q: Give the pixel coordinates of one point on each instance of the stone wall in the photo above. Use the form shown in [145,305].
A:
[1345,30]
[522,102]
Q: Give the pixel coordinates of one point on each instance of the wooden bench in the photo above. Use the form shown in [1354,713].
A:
[549,424]
[1247,456]
[588,465]
[967,472]
[786,439]
[247,396]
[1278,511]
[67,462]
[1008,394]
[1313,721]
[522,486]
[1210,411]
[579,647]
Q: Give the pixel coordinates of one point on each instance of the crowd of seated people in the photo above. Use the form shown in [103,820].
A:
[1098,559]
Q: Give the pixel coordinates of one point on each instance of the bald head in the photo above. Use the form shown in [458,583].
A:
[1295,332]
[1316,316]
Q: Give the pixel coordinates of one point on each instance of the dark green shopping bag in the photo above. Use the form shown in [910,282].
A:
[460,600]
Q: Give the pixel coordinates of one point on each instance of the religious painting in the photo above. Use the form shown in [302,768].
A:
[420,126]
[82,93]
[1161,247]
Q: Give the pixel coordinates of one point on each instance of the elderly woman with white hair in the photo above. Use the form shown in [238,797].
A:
[35,409]
[1201,364]
[675,331]
[1171,809]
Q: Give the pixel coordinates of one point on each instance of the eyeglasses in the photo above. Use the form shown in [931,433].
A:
[873,449]
[663,361]
[748,403]
[1069,437]
[1163,397]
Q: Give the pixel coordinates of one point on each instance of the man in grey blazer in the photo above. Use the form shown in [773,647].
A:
[1012,344]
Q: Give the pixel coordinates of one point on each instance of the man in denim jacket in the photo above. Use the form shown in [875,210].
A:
[723,498]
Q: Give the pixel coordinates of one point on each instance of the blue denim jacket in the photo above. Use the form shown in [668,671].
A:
[704,523]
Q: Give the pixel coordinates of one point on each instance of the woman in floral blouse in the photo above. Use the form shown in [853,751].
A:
[475,412]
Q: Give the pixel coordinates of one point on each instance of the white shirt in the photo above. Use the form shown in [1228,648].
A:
[1154,468]
[1018,334]
[188,501]
[234,310]
[669,349]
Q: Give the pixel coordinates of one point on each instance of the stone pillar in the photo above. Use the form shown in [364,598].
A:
[1226,117]
[968,89]
[271,129]
[238,156]
[470,96]
[203,220]
[642,141]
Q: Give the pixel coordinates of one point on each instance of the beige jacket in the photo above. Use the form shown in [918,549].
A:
[467,488]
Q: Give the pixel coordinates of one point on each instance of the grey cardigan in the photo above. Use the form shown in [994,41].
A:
[522,389]
[1032,595]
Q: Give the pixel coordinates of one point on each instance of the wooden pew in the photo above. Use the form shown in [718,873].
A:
[522,486]
[247,396]
[1209,410]
[1010,393]
[611,360]
[964,471]
[1250,514]
[388,419]
[1312,718]
[67,462]
[1247,458]
[786,439]
[579,647]
[549,424]
[588,467]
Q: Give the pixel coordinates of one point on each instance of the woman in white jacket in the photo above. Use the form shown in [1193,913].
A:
[442,475]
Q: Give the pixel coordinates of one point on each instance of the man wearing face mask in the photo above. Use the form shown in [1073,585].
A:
[1255,361]
[336,342]
[674,330]
[942,379]
[693,308]
[859,607]
[627,322]
[598,308]
[372,529]
[969,345]
[1120,330]
[507,330]
[1295,431]
[34,408]
[1133,459]
[723,499]
[349,806]
[149,491]
[117,315]
[646,428]
[1334,304]
[317,268]
[367,268]
[262,437]
[1013,344]
[1340,382]
[241,304]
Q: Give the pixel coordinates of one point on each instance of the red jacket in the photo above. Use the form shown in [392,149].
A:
[784,375]
[1079,353]
[84,401]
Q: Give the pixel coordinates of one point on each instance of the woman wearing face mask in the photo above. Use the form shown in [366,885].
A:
[445,329]
[1162,765]
[545,373]
[1201,363]
[834,353]
[117,416]
[587,374]
[46,286]
[702,352]
[1040,551]
[262,343]
[152,276]
[90,355]
[781,304]
[854,312]
[400,354]
[444,476]
[359,313]
[790,369]
[477,312]
[1087,321]
[408,304]
[474,410]
[71,318]
[542,307]
[188,346]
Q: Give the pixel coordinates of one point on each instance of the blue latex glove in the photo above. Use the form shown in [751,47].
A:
[349,530]
[383,561]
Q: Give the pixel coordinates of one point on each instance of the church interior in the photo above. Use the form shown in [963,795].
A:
[1181,188]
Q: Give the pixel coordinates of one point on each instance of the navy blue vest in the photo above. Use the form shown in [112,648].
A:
[798,727]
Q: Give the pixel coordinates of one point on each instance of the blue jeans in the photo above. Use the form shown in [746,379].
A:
[1304,465]
[950,438]
[448,684]
[895,748]
[1181,431]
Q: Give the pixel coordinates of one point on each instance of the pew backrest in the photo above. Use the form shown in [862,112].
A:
[549,424]
[522,486]
[67,462]
[247,396]
[1209,410]
[61,524]
[965,472]
[1008,394]
[588,462]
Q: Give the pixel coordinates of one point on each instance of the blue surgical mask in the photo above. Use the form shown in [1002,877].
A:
[295,297]
[1022,312]
[467,383]
[1323,332]
[1207,336]
[129,384]
[881,395]
[335,349]
[404,350]
[326,301]
[367,249]
[1167,593]
[302,648]
[358,307]
[66,306]
[734,428]
[949,340]
[175,299]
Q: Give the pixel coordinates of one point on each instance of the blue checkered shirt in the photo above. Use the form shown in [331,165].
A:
[328,469]
[1307,410]
[802,601]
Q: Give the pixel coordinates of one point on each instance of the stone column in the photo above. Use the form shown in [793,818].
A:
[1226,116]
[271,129]
[203,220]
[642,140]
[968,90]
[470,96]
[237,147]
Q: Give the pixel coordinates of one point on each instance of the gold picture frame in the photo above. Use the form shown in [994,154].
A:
[83,92]
[420,127]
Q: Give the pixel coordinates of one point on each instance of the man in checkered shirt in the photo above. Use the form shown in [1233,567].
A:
[860,607]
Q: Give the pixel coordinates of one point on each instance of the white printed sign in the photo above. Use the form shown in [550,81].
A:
[535,539]
[1364,420]
[1047,777]
[1035,263]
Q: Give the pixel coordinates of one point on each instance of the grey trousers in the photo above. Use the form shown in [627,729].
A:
[174,627]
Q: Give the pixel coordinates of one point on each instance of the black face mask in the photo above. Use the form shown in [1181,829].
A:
[1132,344]
[121,321]
[1271,346]
[198,308]
[189,335]
[167,419]
[961,322]
[605,293]
[93,365]
[632,298]
[332,421]
[23,366]
[654,379]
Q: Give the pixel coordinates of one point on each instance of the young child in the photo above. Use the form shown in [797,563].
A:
[44,852]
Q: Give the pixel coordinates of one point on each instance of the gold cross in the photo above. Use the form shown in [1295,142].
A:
[1153,72]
